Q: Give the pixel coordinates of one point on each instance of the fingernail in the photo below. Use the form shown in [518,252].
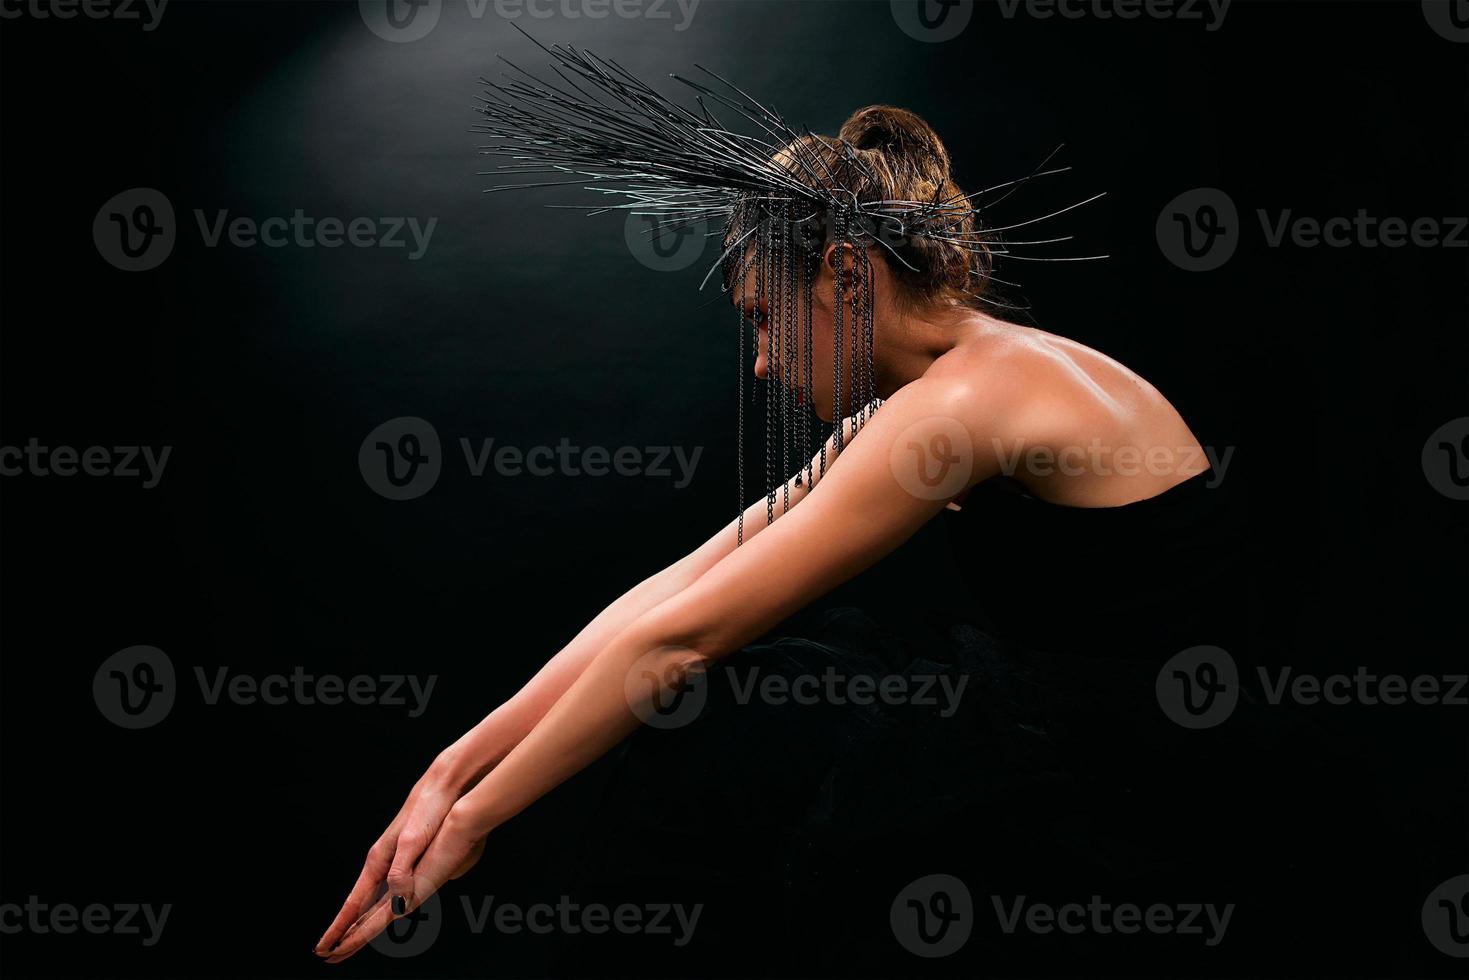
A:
[399,906]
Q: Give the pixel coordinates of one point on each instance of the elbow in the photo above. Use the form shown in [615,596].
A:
[678,635]
[660,671]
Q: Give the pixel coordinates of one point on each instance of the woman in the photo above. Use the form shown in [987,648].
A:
[971,406]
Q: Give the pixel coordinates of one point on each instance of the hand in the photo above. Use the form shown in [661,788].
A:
[392,859]
[455,849]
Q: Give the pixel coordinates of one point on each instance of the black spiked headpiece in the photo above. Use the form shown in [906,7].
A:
[778,198]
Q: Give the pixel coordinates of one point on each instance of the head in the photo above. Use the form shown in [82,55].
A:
[881,270]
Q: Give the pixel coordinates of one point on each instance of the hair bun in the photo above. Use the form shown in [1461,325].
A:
[901,135]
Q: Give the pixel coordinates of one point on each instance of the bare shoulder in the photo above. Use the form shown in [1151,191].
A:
[1045,386]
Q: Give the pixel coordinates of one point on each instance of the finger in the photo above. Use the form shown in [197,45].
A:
[448,856]
[367,928]
[361,896]
[411,844]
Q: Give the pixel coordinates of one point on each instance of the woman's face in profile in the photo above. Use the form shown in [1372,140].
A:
[790,331]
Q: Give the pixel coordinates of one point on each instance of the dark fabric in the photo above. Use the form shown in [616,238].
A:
[1054,773]
[1141,581]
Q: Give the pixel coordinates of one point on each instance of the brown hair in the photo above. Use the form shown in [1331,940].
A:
[903,159]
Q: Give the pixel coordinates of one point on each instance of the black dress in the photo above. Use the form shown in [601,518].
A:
[1052,773]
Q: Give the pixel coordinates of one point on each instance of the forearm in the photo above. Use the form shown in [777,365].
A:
[482,747]
[595,714]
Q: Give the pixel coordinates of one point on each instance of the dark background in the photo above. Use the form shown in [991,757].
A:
[263,548]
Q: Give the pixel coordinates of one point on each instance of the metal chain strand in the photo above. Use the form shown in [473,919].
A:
[761,260]
[788,331]
[857,359]
[738,284]
[867,331]
[809,389]
[838,237]
[813,263]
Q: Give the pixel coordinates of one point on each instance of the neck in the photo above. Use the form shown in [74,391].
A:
[913,339]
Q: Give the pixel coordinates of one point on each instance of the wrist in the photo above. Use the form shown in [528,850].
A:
[470,817]
[454,769]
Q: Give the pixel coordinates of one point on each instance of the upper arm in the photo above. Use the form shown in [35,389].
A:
[918,452]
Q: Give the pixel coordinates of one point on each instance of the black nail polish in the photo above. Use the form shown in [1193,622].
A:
[399,906]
